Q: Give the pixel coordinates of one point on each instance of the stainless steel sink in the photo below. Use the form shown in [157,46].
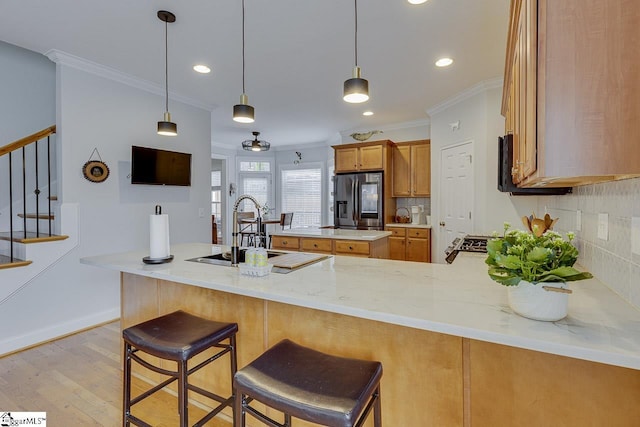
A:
[225,259]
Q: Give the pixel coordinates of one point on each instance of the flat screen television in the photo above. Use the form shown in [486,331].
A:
[160,167]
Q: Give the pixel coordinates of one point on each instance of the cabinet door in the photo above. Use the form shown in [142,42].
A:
[401,171]
[421,167]
[528,89]
[418,250]
[397,248]
[346,159]
[371,157]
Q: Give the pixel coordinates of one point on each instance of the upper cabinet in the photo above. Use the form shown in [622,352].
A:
[364,156]
[571,91]
[412,169]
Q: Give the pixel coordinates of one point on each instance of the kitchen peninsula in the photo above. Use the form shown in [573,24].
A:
[339,241]
[453,352]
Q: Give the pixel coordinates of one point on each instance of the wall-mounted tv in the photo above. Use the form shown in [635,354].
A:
[160,167]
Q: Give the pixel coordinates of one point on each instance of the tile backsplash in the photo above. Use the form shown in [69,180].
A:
[407,202]
[611,261]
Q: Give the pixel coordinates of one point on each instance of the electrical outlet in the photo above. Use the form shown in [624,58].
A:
[578,220]
[635,235]
[201,212]
[603,226]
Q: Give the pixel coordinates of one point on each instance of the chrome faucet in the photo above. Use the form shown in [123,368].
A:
[235,249]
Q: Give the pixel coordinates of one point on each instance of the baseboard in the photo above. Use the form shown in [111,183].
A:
[56,331]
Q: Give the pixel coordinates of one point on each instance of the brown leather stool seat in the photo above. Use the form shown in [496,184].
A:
[178,337]
[309,385]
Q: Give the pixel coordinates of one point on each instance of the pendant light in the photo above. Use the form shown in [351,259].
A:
[356,89]
[243,112]
[255,144]
[166,126]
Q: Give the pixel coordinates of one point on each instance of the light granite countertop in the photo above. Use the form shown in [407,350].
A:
[407,225]
[334,233]
[457,299]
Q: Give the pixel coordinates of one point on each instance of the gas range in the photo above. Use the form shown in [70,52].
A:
[468,243]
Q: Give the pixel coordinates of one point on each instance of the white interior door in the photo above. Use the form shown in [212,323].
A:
[456,193]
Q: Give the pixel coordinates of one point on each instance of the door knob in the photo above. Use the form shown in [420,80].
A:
[442,224]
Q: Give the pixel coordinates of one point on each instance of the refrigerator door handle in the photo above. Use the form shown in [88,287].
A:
[355,199]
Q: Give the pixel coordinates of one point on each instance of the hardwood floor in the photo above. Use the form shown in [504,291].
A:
[77,381]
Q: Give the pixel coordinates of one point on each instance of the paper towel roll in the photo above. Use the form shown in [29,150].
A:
[158,236]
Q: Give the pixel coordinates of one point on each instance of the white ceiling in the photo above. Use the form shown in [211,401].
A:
[298,54]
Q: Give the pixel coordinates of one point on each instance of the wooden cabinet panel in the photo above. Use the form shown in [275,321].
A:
[412,169]
[316,245]
[401,171]
[371,157]
[289,243]
[410,244]
[571,91]
[352,247]
[421,165]
[346,159]
[397,248]
[366,156]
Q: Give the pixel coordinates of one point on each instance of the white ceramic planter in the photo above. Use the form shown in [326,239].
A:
[534,302]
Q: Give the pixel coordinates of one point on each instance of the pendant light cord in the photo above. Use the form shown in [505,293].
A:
[166,67]
[243,91]
[355,2]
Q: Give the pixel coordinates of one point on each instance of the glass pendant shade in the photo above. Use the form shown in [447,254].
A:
[356,89]
[243,112]
[167,127]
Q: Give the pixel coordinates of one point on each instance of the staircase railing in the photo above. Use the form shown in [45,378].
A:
[10,150]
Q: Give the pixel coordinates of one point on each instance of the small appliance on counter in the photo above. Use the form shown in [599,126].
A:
[468,243]
[417,215]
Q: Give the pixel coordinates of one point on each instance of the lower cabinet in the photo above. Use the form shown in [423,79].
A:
[372,249]
[410,244]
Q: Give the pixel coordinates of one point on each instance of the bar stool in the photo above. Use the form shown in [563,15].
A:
[178,337]
[309,385]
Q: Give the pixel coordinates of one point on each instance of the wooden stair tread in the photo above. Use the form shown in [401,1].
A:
[19,237]
[5,262]
[39,216]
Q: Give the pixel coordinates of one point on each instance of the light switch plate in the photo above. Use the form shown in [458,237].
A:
[578,220]
[201,212]
[635,235]
[603,226]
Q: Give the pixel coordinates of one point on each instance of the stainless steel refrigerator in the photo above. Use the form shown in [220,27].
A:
[359,201]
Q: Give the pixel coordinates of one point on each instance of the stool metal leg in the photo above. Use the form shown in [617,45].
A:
[377,410]
[126,396]
[183,401]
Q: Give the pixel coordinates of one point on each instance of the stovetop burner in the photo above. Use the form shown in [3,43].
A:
[468,243]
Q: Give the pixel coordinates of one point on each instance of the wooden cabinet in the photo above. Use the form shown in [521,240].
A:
[373,249]
[361,157]
[316,245]
[571,90]
[410,244]
[412,169]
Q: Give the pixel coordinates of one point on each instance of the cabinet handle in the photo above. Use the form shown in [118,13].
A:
[315,245]
[284,242]
[350,248]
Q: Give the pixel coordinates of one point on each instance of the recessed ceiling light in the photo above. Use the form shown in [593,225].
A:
[417,1]
[444,62]
[203,69]
[368,113]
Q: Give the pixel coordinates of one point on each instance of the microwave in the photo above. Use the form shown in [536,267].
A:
[505,180]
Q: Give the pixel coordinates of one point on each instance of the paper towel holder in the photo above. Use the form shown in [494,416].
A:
[148,259]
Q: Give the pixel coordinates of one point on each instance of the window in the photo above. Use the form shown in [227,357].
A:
[255,179]
[216,201]
[302,194]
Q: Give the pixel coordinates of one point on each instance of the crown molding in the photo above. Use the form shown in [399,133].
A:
[466,94]
[66,59]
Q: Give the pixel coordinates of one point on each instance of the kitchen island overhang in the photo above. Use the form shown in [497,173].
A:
[435,314]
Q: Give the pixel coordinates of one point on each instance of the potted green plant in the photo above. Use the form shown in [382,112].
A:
[535,266]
